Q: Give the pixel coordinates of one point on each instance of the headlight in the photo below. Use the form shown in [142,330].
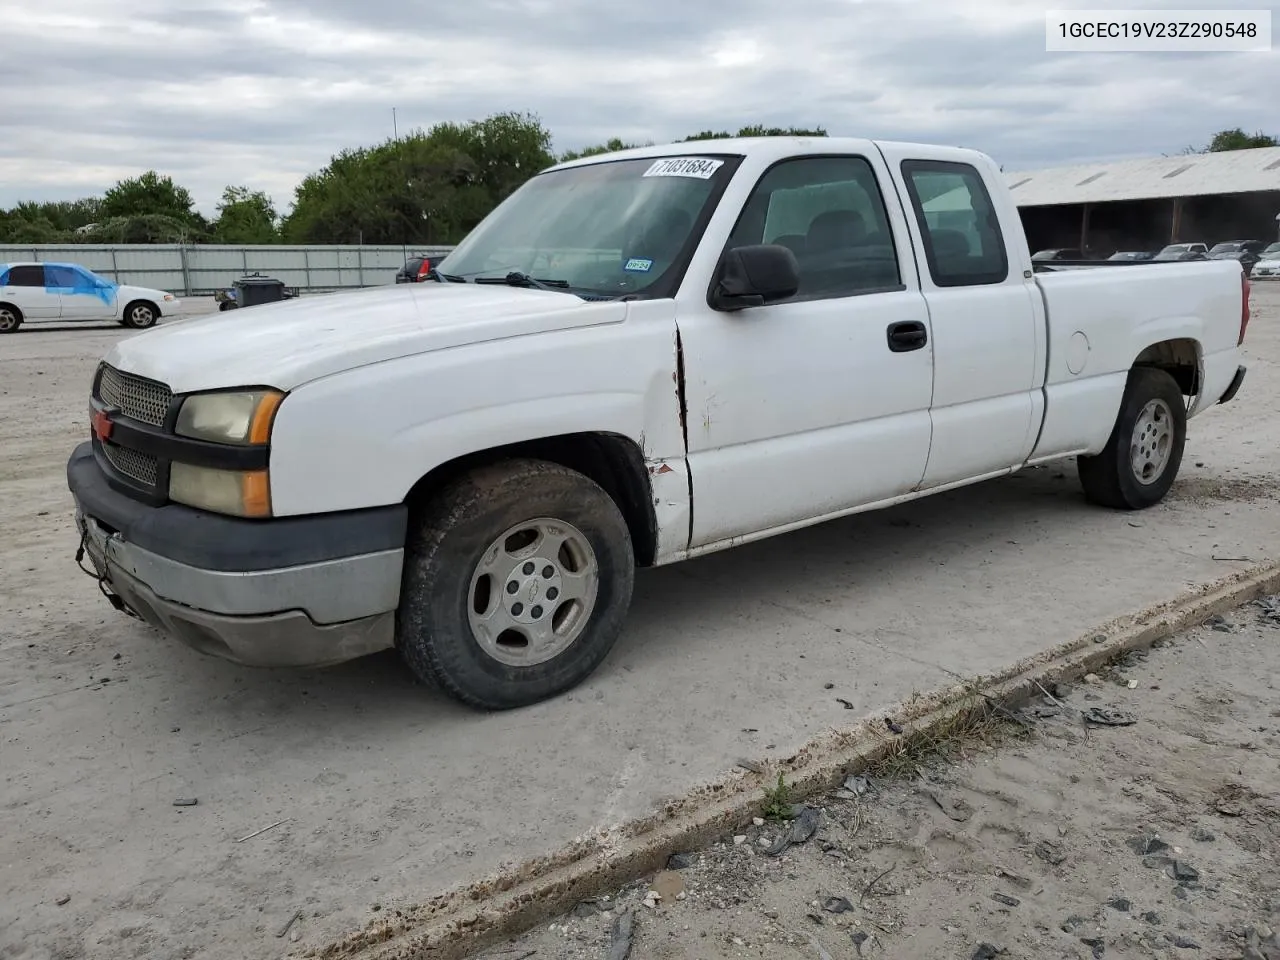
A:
[239,418]
[241,493]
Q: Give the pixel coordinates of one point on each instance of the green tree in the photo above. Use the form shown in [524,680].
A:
[150,195]
[758,130]
[425,188]
[610,146]
[48,222]
[1235,139]
[245,216]
[21,229]
[146,228]
[506,148]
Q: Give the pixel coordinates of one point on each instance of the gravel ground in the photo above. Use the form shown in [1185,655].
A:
[381,794]
[1066,839]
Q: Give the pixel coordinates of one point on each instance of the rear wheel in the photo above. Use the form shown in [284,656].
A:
[10,318]
[1141,460]
[517,579]
[139,315]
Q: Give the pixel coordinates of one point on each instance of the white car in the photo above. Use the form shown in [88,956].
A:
[1268,265]
[68,292]
[637,358]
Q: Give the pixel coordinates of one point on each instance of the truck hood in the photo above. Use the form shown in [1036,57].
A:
[287,344]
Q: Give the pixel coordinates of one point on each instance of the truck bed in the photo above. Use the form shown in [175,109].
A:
[1099,324]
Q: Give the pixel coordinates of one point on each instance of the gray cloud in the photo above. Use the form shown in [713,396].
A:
[262,92]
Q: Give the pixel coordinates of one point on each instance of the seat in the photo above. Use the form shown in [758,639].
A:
[795,242]
[949,244]
[834,230]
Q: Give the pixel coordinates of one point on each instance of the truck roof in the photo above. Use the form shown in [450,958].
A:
[776,148]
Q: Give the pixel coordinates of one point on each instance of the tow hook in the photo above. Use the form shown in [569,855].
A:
[101,579]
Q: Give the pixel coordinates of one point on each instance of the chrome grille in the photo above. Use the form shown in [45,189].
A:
[135,397]
[134,464]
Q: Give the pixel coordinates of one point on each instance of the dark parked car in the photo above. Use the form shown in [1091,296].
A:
[1183,251]
[1248,252]
[1131,255]
[1065,254]
[416,269]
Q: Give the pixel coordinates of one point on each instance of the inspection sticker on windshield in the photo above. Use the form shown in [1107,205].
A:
[703,168]
[638,265]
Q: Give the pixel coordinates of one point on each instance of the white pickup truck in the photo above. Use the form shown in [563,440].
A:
[637,358]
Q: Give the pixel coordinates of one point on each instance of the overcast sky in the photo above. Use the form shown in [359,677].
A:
[262,92]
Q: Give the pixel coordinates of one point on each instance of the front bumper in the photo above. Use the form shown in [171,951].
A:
[293,591]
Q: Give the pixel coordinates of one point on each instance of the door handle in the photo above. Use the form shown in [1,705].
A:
[907,335]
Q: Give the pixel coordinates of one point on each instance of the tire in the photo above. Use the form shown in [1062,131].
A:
[475,588]
[1141,459]
[139,315]
[10,318]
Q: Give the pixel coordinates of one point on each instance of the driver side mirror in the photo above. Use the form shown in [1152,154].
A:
[754,276]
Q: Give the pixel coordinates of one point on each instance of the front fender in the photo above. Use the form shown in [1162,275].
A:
[363,438]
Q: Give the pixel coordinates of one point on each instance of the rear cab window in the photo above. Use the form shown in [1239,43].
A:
[963,243]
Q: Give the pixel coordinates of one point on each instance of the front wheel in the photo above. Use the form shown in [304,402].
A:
[1141,459]
[139,315]
[517,579]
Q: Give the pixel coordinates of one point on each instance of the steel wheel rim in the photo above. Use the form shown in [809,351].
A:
[532,592]
[141,315]
[1151,445]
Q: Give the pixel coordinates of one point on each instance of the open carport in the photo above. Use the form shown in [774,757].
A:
[1145,204]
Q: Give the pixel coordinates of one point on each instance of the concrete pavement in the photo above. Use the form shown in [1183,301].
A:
[390,793]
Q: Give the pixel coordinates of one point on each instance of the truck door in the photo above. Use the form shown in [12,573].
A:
[811,407]
[986,316]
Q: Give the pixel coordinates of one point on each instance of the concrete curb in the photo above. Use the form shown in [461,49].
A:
[457,924]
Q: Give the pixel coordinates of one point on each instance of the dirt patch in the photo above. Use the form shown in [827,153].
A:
[1248,489]
[1071,839]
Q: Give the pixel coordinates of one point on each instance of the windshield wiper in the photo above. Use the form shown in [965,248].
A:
[517,279]
[438,277]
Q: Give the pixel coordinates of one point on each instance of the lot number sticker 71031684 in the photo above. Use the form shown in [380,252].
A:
[703,168]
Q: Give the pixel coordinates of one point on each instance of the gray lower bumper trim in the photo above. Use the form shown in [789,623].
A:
[333,591]
[289,639]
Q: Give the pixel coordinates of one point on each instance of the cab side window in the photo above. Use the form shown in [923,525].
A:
[962,239]
[830,213]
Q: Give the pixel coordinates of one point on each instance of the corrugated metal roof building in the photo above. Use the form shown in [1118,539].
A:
[1144,204]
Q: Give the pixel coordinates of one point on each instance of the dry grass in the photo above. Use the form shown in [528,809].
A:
[977,724]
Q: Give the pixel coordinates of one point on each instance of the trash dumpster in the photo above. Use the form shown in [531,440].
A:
[255,289]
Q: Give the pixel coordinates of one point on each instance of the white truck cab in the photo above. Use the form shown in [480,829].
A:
[637,358]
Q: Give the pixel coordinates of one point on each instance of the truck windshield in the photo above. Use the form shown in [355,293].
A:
[617,228]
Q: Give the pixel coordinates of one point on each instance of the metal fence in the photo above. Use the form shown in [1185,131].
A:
[201,269]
